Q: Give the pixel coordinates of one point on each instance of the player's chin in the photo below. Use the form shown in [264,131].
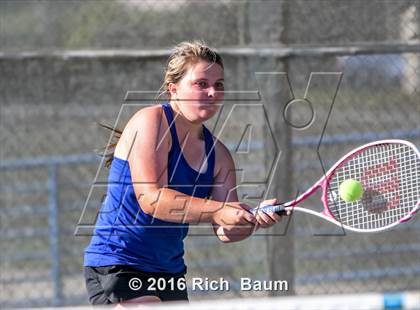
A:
[207,111]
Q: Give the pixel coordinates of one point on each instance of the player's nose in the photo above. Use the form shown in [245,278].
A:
[211,92]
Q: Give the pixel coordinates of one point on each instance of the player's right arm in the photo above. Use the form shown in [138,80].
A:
[146,143]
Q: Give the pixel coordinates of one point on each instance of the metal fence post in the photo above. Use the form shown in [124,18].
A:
[54,235]
[280,243]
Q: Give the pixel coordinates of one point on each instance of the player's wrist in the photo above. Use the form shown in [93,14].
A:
[216,215]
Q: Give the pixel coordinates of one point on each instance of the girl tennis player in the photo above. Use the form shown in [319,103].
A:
[167,171]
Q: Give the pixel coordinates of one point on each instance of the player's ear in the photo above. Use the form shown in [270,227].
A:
[172,88]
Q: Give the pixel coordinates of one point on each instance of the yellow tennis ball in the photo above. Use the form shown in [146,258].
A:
[351,190]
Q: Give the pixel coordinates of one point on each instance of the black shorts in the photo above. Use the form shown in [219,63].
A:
[113,284]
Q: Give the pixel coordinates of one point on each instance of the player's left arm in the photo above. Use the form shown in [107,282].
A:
[224,189]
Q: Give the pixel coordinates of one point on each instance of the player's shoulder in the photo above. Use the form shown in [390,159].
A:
[223,155]
[146,118]
[220,147]
[149,112]
[148,123]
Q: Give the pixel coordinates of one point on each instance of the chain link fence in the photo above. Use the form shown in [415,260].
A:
[67,65]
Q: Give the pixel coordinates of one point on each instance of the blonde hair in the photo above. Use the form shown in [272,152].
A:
[183,56]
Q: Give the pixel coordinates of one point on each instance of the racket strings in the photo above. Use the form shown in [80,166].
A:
[390,177]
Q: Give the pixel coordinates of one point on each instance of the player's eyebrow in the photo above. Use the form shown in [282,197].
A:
[206,79]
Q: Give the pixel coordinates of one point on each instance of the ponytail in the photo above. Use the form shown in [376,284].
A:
[107,152]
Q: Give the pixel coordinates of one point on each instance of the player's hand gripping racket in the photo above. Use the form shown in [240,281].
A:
[389,173]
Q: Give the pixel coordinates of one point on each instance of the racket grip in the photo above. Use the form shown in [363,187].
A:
[279,209]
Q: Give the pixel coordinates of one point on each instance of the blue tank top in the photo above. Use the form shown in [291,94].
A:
[125,235]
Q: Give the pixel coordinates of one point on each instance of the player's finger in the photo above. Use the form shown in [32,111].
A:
[274,216]
[267,218]
[248,217]
[260,222]
[264,219]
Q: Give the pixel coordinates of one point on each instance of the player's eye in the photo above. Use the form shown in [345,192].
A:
[202,84]
[220,86]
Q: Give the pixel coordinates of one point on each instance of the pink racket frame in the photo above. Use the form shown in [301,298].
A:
[323,183]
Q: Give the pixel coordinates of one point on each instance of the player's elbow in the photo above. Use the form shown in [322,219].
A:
[221,236]
[147,208]
[148,200]
[224,239]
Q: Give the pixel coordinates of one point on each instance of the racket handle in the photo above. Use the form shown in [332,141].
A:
[279,209]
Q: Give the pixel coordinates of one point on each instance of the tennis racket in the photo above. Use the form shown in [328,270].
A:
[389,171]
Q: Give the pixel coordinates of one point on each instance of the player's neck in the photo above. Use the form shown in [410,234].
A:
[185,127]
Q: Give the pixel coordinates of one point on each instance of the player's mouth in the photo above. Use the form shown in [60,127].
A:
[208,104]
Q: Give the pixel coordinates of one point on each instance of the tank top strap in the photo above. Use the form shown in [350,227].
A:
[210,152]
[171,123]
